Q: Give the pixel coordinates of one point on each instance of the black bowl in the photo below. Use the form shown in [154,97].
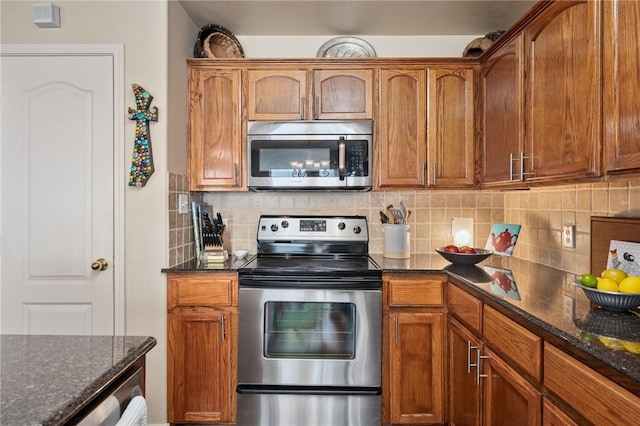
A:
[465,259]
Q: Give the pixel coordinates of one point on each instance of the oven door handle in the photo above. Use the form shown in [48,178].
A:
[307,390]
[342,163]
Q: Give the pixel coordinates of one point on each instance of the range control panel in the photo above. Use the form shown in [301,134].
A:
[320,228]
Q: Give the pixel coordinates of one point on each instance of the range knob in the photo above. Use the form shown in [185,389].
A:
[341,226]
[284,224]
[274,227]
[357,229]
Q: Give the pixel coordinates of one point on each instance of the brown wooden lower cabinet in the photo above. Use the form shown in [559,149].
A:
[552,415]
[201,348]
[414,349]
[464,390]
[592,395]
[508,398]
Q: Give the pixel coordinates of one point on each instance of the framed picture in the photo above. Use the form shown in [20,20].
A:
[624,255]
[503,238]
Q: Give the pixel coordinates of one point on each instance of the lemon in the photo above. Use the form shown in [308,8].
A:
[631,284]
[589,280]
[611,343]
[615,274]
[633,347]
[607,284]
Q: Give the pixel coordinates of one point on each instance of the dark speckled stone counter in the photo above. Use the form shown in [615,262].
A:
[231,265]
[538,301]
[45,380]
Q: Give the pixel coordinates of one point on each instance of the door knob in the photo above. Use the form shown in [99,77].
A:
[100,264]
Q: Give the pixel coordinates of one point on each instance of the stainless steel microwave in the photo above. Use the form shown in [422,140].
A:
[309,155]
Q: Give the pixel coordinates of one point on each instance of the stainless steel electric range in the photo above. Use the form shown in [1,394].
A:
[310,325]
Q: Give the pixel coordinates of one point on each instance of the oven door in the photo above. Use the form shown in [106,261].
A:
[309,162]
[309,337]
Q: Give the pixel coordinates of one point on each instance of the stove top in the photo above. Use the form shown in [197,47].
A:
[312,245]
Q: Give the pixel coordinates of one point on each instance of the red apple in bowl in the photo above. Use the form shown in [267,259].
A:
[451,248]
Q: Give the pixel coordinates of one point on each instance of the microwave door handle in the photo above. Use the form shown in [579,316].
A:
[342,167]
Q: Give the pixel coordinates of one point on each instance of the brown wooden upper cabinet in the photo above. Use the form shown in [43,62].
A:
[502,143]
[451,126]
[425,128]
[563,92]
[215,131]
[310,94]
[621,85]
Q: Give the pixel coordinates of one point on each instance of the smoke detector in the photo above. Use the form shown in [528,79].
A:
[46,15]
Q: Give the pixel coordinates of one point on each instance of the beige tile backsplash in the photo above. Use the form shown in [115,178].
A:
[542,212]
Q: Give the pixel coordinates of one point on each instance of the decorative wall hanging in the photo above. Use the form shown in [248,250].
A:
[142,161]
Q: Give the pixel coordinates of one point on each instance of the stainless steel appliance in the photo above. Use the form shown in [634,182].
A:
[309,155]
[310,325]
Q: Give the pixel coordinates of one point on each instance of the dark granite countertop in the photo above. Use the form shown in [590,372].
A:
[231,265]
[45,380]
[546,301]
[543,299]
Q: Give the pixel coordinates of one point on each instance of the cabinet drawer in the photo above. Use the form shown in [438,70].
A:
[597,398]
[464,306]
[514,341]
[202,290]
[416,291]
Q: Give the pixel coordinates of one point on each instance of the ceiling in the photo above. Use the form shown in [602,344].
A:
[357,17]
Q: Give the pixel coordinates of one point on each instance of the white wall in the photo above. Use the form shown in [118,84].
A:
[141,26]
[385,46]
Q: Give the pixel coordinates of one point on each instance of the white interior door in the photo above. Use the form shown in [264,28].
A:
[58,215]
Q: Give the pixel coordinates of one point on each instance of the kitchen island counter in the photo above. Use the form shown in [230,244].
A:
[46,380]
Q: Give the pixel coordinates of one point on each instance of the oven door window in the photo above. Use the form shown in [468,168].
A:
[308,330]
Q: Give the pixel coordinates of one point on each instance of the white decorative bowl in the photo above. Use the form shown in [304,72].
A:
[240,254]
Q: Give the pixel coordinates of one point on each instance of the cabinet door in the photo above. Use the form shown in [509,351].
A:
[621,85]
[552,415]
[343,94]
[451,128]
[200,368]
[401,129]
[277,94]
[215,148]
[502,124]
[464,389]
[417,364]
[564,92]
[508,398]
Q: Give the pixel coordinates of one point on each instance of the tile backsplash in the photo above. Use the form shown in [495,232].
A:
[541,211]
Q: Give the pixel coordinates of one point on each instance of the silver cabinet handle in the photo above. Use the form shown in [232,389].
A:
[435,177]
[469,364]
[423,173]
[235,174]
[511,160]
[480,357]
[395,329]
[316,108]
[222,330]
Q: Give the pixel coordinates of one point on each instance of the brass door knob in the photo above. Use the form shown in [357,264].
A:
[100,264]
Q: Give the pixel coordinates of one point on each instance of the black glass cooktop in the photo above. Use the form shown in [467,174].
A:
[311,264]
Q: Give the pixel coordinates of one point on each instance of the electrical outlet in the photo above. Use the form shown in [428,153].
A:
[569,306]
[569,236]
[183,203]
